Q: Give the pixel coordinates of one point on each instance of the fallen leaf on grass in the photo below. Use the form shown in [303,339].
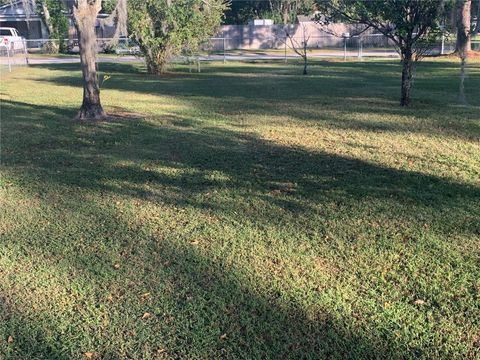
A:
[419,302]
[116,266]
[146,316]
[223,336]
[10,339]
[89,355]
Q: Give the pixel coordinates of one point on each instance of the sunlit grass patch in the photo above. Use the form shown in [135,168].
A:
[243,212]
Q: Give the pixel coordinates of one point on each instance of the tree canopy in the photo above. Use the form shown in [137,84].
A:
[165,28]
[412,25]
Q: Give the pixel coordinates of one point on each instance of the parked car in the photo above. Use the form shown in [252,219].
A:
[11,39]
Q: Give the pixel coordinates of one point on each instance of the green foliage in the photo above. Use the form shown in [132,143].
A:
[274,14]
[108,6]
[411,24]
[241,12]
[247,11]
[164,29]
[57,22]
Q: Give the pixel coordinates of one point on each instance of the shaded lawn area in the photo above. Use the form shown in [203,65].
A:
[244,212]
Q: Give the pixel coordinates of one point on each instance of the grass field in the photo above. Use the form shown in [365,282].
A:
[243,212]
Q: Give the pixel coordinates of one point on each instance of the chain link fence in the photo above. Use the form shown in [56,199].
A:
[317,46]
[226,49]
[13,54]
[373,45]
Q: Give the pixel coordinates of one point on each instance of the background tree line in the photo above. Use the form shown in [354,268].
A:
[280,11]
[166,28]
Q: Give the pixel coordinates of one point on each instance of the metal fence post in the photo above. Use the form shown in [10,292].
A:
[9,63]
[285,49]
[26,52]
[360,48]
[224,55]
[442,49]
[344,48]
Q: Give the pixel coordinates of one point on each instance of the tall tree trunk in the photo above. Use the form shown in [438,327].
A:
[46,16]
[156,59]
[305,54]
[286,11]
[464,36]
[464,44]
[85,13]
[51,47]
[477,26]
[407,76]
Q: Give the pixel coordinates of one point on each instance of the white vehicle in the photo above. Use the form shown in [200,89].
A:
[10,39]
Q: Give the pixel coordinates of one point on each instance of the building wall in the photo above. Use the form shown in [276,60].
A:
[274,36]
[30,25]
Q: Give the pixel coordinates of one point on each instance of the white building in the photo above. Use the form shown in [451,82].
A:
[30,24]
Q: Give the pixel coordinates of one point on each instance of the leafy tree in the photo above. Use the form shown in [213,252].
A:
[241,12]
[412,25]
[300,48]
[53,15]
[280,11]
[108,6]
[164,28]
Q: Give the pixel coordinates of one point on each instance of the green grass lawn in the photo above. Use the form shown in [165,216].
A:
[245,212]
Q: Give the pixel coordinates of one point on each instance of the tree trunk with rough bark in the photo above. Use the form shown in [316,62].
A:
[50,47]
[46,16]
[85,13]
[407,76]
[305,53]
[286,11]
[464,41]
[477,26]
[464,36]
[156,59]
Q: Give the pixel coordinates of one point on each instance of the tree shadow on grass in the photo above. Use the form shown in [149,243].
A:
[200,309]
[182,167]
[275,90]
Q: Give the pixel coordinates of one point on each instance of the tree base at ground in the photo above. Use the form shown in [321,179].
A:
[91,112]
